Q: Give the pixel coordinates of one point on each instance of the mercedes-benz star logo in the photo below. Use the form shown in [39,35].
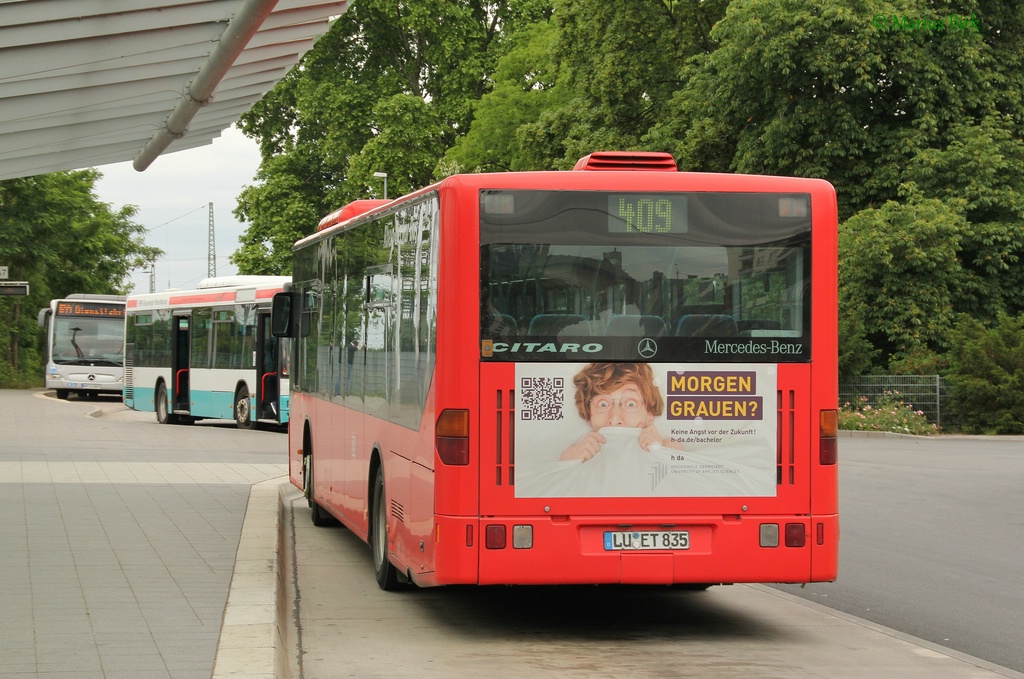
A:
[647,347]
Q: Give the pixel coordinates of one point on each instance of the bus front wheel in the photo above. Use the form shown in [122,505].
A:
[243,409]
[62,394]
[387,575]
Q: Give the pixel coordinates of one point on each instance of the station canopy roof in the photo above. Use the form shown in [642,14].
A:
[92,82]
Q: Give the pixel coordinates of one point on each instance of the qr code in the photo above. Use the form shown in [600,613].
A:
[541,398]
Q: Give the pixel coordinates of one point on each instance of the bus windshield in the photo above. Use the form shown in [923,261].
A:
[88,341]
[706,276]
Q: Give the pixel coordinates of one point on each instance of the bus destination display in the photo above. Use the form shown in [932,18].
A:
[90,309]
[654,213]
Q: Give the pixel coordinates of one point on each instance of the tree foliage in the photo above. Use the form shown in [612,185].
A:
[524,88]
[899,273]
[823,89]
[617,66]
[987,372]
[387,89]
[61,239]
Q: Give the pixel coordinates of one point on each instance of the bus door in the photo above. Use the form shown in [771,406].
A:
[268,391]
[180,364]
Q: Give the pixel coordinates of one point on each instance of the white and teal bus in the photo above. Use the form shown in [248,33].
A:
[207,353]
[84,345]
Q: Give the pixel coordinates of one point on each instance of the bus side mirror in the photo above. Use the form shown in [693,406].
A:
[282,309]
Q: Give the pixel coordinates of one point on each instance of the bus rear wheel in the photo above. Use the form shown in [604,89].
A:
[163,411]
[243,409]
[318,514]
[385,572]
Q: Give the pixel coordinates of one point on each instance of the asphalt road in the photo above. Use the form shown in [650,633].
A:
[932,541]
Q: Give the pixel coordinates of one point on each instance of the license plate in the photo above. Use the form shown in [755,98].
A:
[616,540]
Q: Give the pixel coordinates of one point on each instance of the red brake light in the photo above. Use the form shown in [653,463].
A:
[795,535]
[495,536]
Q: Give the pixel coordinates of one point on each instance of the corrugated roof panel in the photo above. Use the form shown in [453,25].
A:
[93,82]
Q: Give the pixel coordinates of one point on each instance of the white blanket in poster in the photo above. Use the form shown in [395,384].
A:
[624,469]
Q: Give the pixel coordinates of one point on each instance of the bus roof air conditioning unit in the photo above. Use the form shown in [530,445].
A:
[648,161]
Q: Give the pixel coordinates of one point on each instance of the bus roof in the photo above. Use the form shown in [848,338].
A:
[238,281]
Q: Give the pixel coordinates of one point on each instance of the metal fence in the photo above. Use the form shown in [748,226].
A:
[928,393]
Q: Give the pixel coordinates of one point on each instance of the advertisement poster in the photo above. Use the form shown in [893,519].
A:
[645,430]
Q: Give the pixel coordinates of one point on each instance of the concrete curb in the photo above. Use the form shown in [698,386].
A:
[289,638]
[250,635]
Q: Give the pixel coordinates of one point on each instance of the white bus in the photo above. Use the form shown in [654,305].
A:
[207,353]
[84,345]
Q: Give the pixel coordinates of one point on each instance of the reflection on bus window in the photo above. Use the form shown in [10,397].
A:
[640,291]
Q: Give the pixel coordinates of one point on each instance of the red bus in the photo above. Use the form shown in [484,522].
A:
[618,374]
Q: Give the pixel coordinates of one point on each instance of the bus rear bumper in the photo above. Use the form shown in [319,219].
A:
[718,549]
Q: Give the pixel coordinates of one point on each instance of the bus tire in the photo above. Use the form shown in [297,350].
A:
[317,514]
[163,411]
[243,409]
[384,570]
[62,394]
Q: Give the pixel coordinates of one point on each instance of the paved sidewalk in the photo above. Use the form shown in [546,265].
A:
[120,537]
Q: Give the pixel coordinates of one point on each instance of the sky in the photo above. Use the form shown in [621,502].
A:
[173,196]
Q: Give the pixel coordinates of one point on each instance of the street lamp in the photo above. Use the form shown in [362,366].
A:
[384,176]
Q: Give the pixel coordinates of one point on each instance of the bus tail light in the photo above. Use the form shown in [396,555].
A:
[795,535]
[451,438]
[828,432]
[494,536]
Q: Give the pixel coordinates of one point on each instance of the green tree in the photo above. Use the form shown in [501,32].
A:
[822,89]
[975,174]
[899,273]
[617,67]
[62,239]
[856,353]
[524,89]
[387,89]
[979,166]
[987,372]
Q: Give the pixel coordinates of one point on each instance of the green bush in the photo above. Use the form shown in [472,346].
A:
[889,414]
[987,375]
